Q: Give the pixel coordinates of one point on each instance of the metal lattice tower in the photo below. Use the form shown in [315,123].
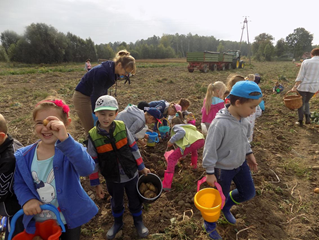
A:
[245,24]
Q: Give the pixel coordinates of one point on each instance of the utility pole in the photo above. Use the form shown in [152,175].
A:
[242,32]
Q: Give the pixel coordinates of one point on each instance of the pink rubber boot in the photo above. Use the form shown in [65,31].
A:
[194,162]
[167,181]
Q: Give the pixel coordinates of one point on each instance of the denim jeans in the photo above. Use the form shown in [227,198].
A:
[116,190]
[245,188]
[304,109]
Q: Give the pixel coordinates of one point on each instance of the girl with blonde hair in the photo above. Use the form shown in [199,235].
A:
[96,83]
[213,102]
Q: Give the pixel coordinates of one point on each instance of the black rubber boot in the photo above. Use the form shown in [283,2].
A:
[117,226]
[142,231]
[307,118]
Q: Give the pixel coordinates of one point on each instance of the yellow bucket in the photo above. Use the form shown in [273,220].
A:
[208,202]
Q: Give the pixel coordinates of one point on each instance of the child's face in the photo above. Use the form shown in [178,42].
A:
[248,108]
[171,111]
[41,131]
[106,117]
[149,119]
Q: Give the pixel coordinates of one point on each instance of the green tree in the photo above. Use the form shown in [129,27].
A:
[8,38]
[220,47]
[262,47]
[104,51]
[299,41]
[3,55]
[281,47]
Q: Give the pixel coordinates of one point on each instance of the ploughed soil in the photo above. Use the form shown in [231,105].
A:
[285,205]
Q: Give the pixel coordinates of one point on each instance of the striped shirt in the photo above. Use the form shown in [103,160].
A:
[309,75]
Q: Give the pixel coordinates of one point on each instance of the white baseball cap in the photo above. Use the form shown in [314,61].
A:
[106,102]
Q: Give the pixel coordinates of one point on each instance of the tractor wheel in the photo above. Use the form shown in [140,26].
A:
[223,67]
[237,64]
[205,68]
[241,65]
[191,70]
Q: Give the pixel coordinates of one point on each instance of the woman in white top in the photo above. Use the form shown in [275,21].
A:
[307,84]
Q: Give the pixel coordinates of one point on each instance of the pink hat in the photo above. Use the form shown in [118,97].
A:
[178,107]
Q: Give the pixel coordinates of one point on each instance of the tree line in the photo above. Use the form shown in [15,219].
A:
[42,43]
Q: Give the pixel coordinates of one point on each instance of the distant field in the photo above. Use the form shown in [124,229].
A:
[167,60]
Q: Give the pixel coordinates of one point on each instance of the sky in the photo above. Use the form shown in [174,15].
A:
[107,21]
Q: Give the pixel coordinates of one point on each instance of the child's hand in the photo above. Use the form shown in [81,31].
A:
[142,142]
[99,191]
[146,135]
[32,207]
[211,179]
[169,144]
[57,127]
[252,163]
[145,171]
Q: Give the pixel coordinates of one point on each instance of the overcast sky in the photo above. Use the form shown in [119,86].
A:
[107,21]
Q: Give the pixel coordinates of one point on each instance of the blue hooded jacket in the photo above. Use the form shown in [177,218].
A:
[70,161]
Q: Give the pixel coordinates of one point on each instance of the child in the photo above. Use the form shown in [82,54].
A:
[48,172]
[119,160]
[213,102]
[188,140]
[278,88]
[135,119]
[88,65]
[8,201]
[227,147]
[253,77]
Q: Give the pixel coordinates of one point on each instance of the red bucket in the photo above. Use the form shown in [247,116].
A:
[47,230]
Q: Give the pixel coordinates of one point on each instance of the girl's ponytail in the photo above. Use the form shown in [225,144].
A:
[178,118]
[208,97]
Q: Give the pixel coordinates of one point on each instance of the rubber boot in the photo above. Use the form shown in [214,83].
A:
[117,226]
[167,181]
[194,162]
[210,228]
[226,210]
[142,231]
[307,118]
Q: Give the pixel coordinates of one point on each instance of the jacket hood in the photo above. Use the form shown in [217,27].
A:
[136,111]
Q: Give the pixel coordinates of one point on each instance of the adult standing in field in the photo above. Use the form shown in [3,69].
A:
[96,83]
[307,84]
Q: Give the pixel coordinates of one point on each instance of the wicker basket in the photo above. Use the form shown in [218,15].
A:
[293,101]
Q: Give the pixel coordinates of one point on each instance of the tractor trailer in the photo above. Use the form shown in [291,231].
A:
[207,60]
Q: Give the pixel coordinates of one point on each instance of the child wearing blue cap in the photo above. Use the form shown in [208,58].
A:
[227,154]
[136,119]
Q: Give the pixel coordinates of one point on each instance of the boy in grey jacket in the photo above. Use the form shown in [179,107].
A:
[227,155]
[135,118]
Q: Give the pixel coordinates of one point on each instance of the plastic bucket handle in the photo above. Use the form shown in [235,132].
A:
[43,207]
[217,185]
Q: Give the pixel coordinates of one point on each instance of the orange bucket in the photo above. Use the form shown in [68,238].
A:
[209,201]
[47,230]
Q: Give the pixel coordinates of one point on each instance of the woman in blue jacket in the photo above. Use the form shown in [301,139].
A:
[96,83]
[48,172]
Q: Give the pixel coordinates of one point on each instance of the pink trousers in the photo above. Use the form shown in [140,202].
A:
[173,158]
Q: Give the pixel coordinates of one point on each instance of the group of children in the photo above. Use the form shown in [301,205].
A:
[48,171]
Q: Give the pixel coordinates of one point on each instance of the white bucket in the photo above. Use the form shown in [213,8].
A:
[141,133]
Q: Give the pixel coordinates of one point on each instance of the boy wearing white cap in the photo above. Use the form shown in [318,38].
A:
[117,157]
[227,154]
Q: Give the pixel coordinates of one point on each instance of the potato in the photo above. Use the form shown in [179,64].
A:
[316,190]
[150,186]
[150,194]
[45,122]
[142,188]
[146,192]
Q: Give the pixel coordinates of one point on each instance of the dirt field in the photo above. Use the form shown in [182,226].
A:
[285,205]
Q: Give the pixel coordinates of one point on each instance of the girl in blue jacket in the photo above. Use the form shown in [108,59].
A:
[48,172]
